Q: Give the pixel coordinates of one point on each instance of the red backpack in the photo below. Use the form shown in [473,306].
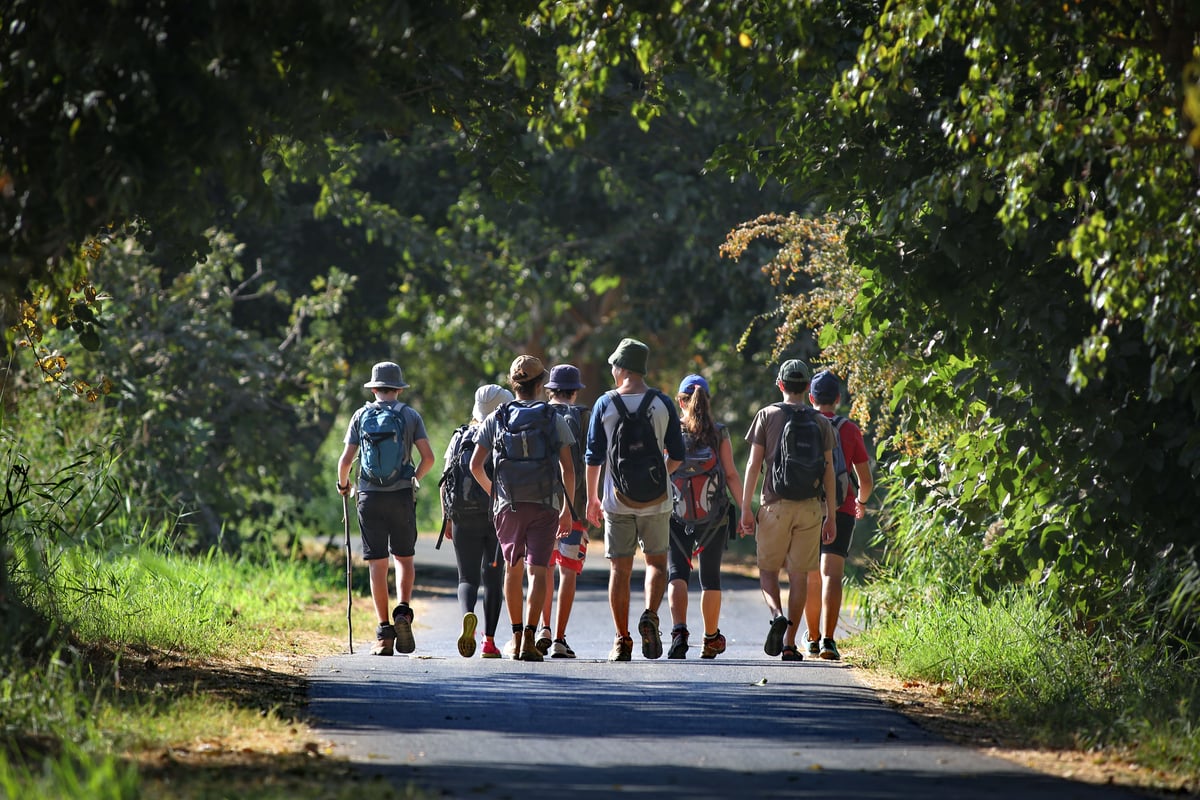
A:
[700,492]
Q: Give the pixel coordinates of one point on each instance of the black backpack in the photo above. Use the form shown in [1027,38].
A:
[577,421]
[635,456]
[525,452]
[462,497]
[799,467]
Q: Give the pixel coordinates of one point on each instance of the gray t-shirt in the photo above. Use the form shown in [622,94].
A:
[767,430]
[485,435]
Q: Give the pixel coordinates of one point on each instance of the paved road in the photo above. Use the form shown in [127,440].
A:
[743,725]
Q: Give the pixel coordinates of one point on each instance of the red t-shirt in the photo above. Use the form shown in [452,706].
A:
[855,451]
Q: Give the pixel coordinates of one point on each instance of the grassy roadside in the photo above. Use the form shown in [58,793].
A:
[206,699]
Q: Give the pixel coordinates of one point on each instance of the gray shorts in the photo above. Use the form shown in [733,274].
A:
[624,533]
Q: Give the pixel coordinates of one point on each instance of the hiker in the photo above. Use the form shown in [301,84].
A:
[382,435]
[700,521]
[467,510]
[792,444]
[824,602]
[562,389]
[629,430]
[531,448]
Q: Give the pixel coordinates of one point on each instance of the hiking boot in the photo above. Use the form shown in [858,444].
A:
[513,648]
[813,646]
[622,649]
[648,630]
[679,643]
[774,643]
[385,640]
[713,645]
[489,649]
[529,649]
[544,641]
[560,649]
[829,650]
[466,641]
[402,617]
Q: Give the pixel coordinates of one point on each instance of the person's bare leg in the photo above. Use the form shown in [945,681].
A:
[656,580]
[567,581]
[710,610]
[677,601]
[405,575]
[812,604]
[619,572]
[377,568]
[833,569]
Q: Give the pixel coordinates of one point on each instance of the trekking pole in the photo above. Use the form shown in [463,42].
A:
[349,581]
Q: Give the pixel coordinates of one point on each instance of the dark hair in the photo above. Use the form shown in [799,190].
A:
[795,387]
[697,420]
[563,393]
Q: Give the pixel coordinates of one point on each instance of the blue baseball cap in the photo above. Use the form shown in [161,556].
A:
[825,387]
[688,385]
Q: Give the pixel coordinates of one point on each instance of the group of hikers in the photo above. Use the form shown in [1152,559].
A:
[524,480]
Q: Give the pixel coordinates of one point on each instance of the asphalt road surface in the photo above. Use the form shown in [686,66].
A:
[743,725]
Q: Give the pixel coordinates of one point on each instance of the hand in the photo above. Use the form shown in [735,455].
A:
[344,489]
[565,523]
[594,513]
[746,527]
[860,509]
[828,530]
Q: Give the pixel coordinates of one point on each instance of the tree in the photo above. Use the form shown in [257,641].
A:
[1025,179]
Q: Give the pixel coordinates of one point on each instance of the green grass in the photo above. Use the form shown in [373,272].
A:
[1021,661]
[67,719]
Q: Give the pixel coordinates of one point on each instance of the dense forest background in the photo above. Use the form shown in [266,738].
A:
[983,215]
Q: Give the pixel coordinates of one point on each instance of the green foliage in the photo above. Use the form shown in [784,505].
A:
[214,416]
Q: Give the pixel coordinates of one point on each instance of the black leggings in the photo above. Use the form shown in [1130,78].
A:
[679,559]
[475,552]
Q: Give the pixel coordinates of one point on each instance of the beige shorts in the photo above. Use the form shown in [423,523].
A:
[789,534]
[624,533]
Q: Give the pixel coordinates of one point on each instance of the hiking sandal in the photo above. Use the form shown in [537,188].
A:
[791,653]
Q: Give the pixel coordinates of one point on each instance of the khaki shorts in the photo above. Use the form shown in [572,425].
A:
[789,534]
[624,533]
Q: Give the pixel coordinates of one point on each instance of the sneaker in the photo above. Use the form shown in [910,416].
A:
[814,647]
[385,640]
[713,645]
[466,642]
[651,639]
[402,617]
[679,643]
[774,644]
[622,649]
[544,641]
[790,652]
[529,648]
[560,649]
[829,650]
[489,649]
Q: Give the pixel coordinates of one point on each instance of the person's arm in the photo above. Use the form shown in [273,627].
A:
[829,527]
[345,462]
[594,513]
[866,485]
[754,464]
[566,463]
[732,479]
[425,464]
[673,441]
[478,468]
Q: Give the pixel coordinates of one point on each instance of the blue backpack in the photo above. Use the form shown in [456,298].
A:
[525,453]
[381,445]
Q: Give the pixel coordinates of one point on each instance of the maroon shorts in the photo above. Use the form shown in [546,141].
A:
[527,531]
